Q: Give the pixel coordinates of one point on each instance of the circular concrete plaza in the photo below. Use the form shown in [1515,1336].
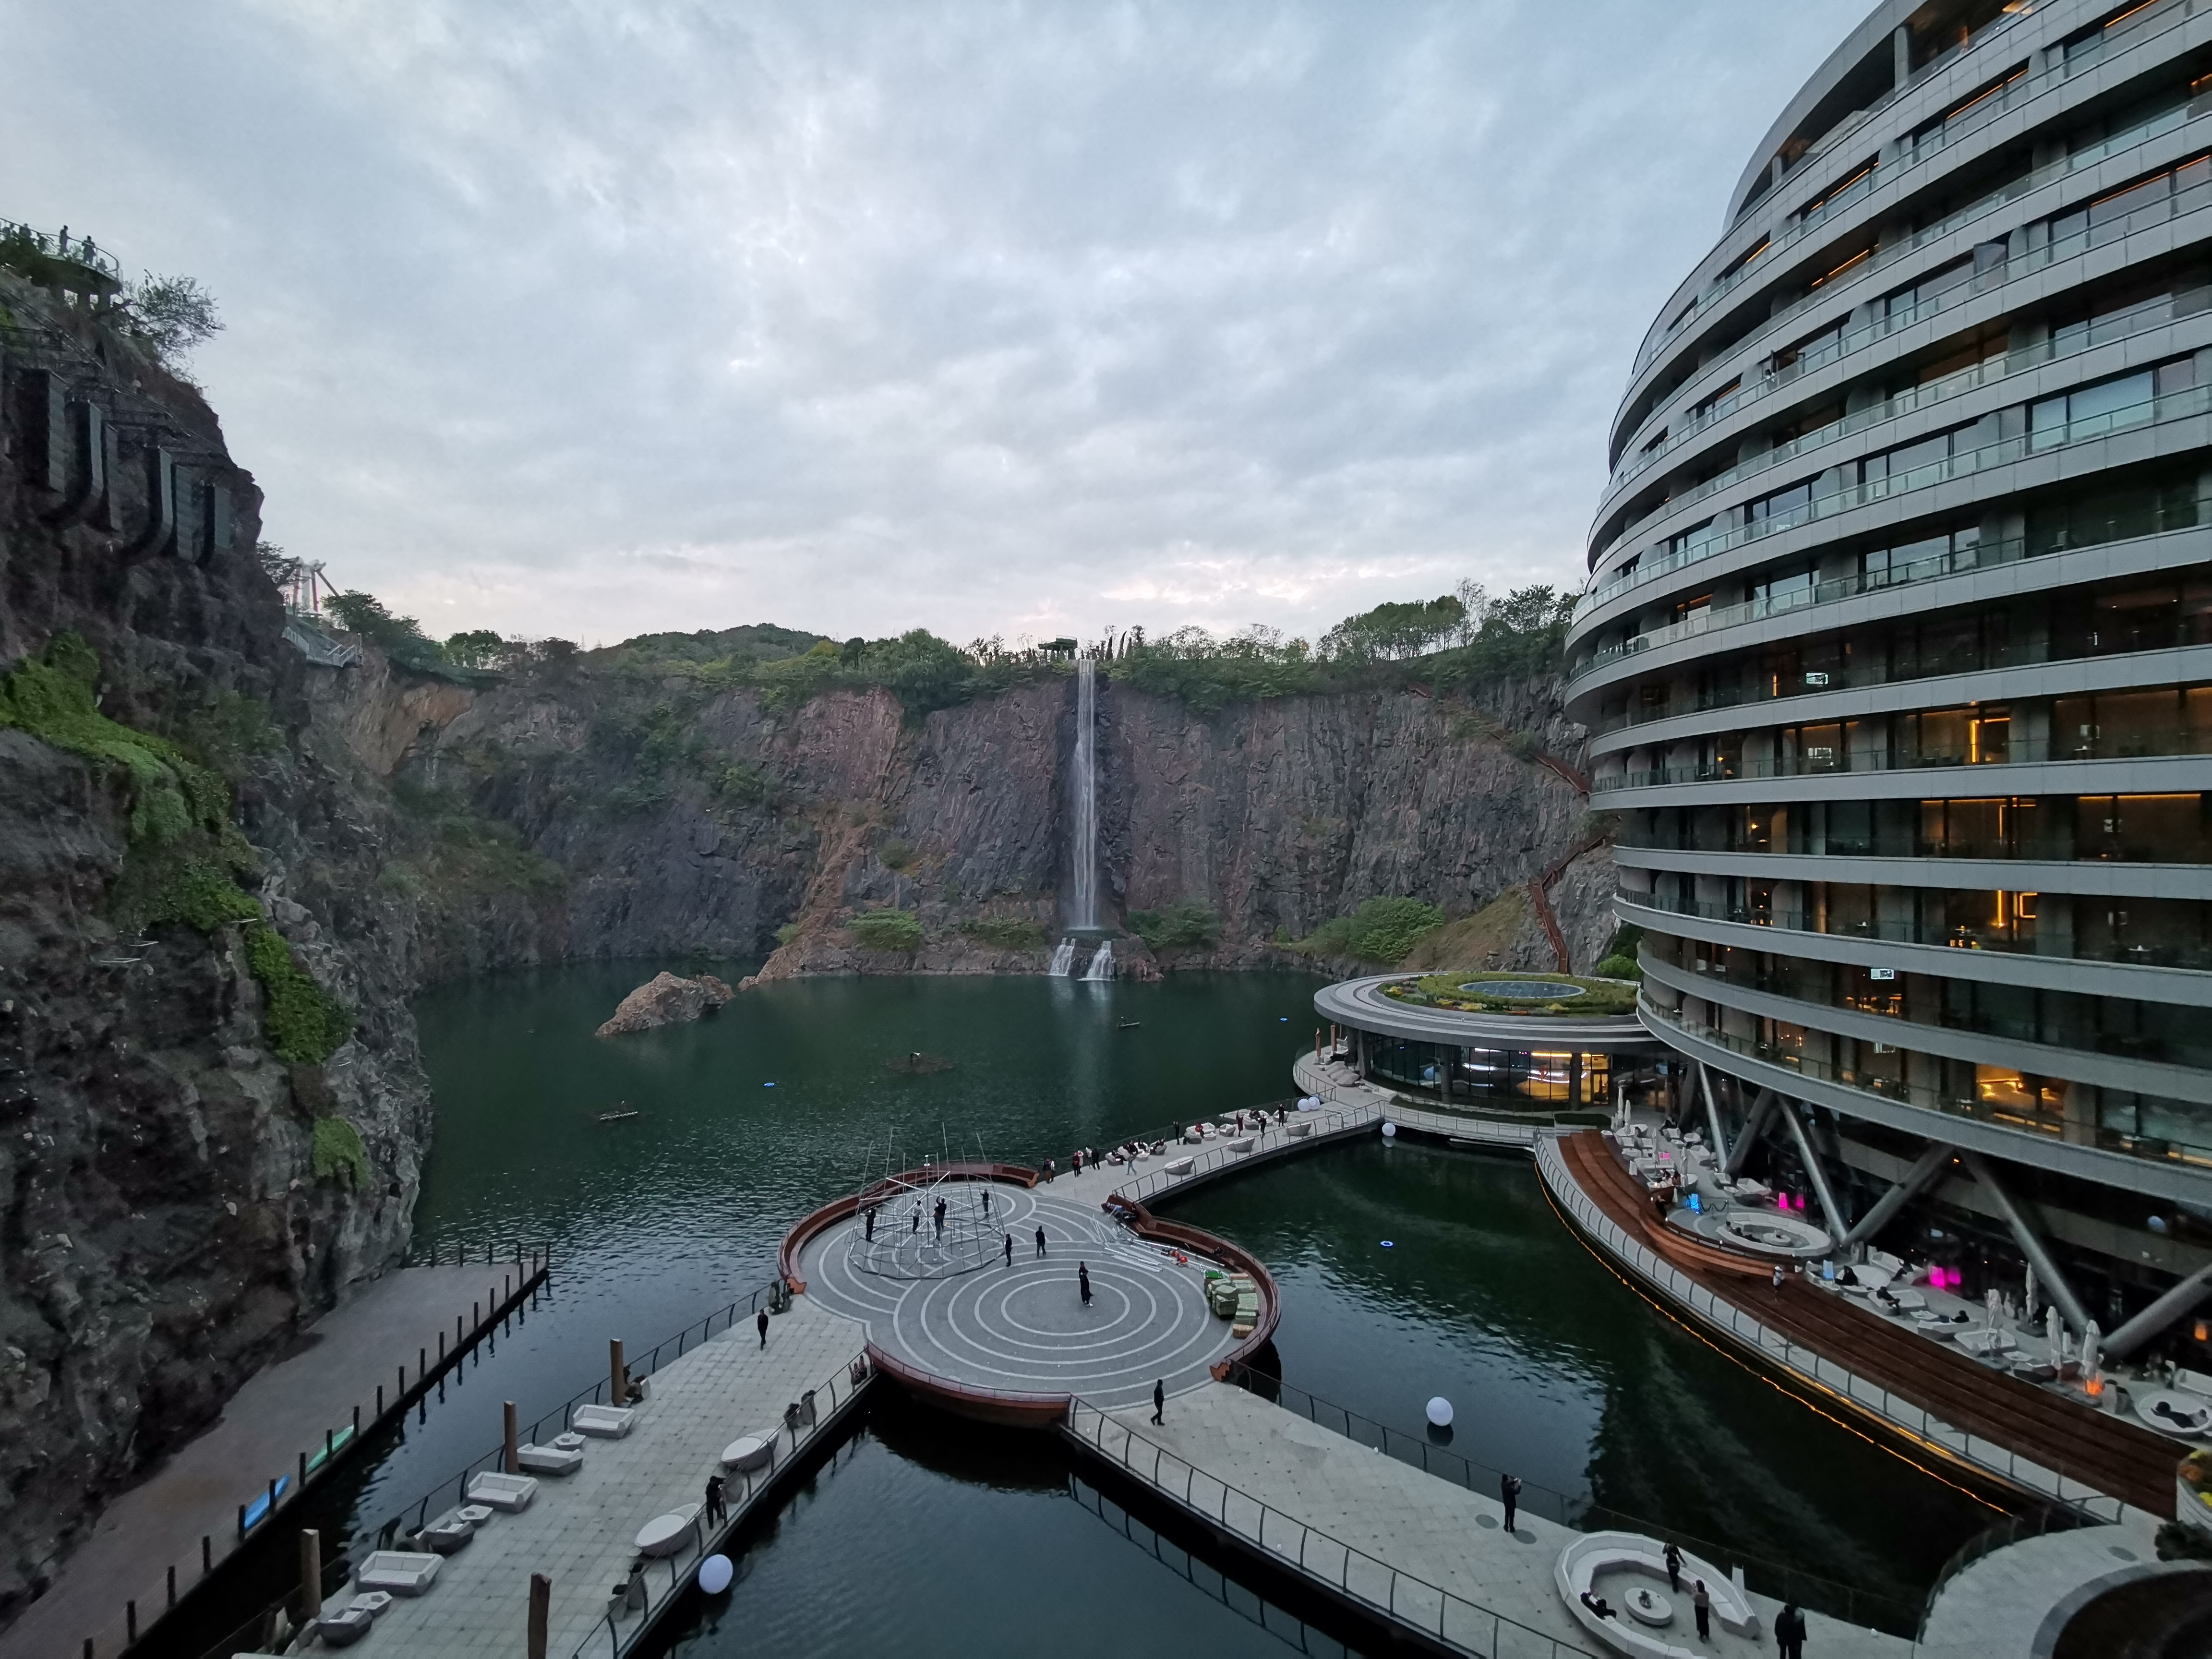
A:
[1024,1327]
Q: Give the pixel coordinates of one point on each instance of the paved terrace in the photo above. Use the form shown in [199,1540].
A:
[1932,1396]
[580,1529]
[1353,1520]
[347,1357]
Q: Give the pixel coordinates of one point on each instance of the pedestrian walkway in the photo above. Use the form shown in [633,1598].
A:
[580,1529]
[1338,1084]
[2002,1603]
[285,1411]
[1378,1532]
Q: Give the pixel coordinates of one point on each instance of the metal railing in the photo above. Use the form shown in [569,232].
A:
[1359,1577]
[77,251]
[2140,319]
[1325,1124]
[1851,1602]
[2168,743]
[2056,1486]
[683,1564]
[1882,1086]
[1943,936]
[2014,1528]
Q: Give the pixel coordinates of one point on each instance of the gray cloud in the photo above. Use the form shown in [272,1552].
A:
[594,318]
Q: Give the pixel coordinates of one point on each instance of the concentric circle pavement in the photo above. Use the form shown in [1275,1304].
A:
[1024,1326]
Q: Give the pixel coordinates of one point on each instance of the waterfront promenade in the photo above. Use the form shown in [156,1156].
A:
[345,1362]
[1379,1533]
[580,1529]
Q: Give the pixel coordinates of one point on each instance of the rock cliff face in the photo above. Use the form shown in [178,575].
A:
[1280,814]
[165,1227]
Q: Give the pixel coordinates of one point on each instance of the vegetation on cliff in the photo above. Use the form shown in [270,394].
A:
[886,930]
[184,849]
[1188,924]
[1380,930]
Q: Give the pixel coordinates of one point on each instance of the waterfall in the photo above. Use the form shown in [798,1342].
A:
[1102,965]
[1084,851]
[1063,957]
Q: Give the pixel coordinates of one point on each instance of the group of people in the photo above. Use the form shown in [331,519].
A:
[1788,1624]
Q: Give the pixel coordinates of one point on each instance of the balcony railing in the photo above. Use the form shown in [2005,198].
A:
[2196,1150]
[2134,745]
[2102,331]
[1639,461]
[2196,958]
[2168,14]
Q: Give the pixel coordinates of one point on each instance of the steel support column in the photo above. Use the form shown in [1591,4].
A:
[1932,1163]
[2177,1303]
[1762,1104]
[1830,1211]
[1712,1114]
[2031,1244]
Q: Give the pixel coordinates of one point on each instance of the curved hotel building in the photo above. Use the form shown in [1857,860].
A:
[1897,651]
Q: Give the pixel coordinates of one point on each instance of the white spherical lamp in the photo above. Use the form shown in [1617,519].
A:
[1440,1412]
[715,1573]
[1390,1131]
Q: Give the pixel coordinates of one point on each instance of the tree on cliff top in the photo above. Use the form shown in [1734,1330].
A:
[171,314]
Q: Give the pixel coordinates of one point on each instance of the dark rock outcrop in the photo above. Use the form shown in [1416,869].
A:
[665,1000]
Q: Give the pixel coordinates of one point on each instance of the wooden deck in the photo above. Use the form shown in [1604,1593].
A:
[2116,1456]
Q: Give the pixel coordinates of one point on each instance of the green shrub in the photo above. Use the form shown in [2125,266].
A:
[745,783]
[306,1024]
[1381,930]
[895,854]
[886,930]
[788,933]
[1186,925]
[1006,933]
[1620,968]
[337,1147]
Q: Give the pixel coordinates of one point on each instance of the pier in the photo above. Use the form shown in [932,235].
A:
[362,1366]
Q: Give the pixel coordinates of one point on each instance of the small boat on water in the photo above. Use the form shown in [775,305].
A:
[1129,1025]
[622,1113]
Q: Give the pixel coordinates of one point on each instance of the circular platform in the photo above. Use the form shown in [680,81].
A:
[1023,1327]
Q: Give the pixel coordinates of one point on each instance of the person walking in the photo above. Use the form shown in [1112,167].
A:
[1702,1601]
[1777,1279]
[1083,1280]
[1509,1490]
[715,1511]
[1673,1568]
[987,1200]
[1010,1250]
[1789,1631]
[941,1219]
[869,1217]
[1040,1240]
[760,1324]
[1159,1398]
[1050,1170]
[916,1227]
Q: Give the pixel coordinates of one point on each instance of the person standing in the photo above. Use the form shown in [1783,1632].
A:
[1083,1280]
[1159,1398]
[716,1511]
[869,1216]
[1050,1170]
[916,1227]
[987,1200]
[1509,1490]
[1673,1568]
[1777,1279]
[760,1324]
[940,1218]
[1789,1631]
[1701,1600]
[1010,1250]
[1040,1240]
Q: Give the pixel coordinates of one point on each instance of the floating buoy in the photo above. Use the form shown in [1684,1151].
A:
[768,1085]
[1440,1412]
[1390,1244]
[715,1573]
[1390,1131]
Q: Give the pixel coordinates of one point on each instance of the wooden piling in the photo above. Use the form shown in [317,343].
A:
[311,1573]
[514,1443]
[541,1607]
[617,1377]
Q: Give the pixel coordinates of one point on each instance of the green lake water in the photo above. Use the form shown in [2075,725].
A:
[1556,1371]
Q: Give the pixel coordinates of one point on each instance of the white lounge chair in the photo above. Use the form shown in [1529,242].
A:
[397,1572]
[603,1422]
[747,1453]
[549,1460]
[511,1492]
[344,1628]
[1179,1166]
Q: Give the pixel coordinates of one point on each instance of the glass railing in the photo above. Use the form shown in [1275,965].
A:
[2139,746]
[2167,13]
[2153,127]
[2119,954]
[2099,331]
[2178,405]
[2196,1150]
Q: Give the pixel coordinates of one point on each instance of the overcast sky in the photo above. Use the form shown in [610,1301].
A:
[592,317]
